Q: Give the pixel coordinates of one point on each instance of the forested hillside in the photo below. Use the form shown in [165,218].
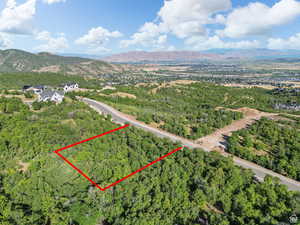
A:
[193,110]
[271,144]
[13,60]
[189,187]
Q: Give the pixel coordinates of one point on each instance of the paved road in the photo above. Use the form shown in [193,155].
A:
[120,117]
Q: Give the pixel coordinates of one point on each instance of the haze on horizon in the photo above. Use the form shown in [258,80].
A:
[112,26]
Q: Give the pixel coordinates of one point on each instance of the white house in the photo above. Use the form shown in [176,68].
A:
[70,87]
[48,95]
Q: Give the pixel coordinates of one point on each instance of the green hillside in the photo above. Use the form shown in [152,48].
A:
[14,60]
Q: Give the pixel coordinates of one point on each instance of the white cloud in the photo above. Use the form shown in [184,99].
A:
[162,39]
[98,50]
[186,18]
[202,43]
[16,18]
[149,35]
[96,39]
[53,44]
[257,18]
[53,1]
[292,42]
[164,48]
[181,18]
[98,36]
[5,42]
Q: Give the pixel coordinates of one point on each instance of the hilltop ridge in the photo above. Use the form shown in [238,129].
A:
[14,60]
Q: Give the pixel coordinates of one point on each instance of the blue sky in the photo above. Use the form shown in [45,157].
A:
[112,26]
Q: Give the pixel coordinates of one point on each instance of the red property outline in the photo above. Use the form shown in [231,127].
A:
[118,181]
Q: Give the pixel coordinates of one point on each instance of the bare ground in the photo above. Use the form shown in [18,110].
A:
[171,84]
[268,87]
[217,140]
[123,95]
[24,166]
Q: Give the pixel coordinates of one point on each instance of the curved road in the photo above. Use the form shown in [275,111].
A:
[120,117]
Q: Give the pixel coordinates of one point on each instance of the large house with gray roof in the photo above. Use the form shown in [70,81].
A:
[51,95]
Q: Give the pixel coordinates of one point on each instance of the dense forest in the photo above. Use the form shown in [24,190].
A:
[271,144]
[189,187]
[193,110]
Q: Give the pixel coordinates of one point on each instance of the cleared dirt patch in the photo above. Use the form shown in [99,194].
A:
[217,139]
[268,87]
[213,209]
[108,88]
[52,69]
[22,97]
[24,166]
[157,125]
[70,122]
[123,95]
[171,84]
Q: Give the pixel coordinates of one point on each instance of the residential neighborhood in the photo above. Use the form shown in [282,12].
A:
[47,93]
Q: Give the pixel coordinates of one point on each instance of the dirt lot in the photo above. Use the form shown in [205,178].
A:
[123,95]
[269,87]
[217,139]
[22,97]
[171,84]
[24,166]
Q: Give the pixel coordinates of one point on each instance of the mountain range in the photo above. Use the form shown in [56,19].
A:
[13,60]
[194,56]
[142,56]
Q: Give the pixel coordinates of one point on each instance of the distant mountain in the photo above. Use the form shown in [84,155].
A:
[193,56]
[86,56]
[167,56]
[13,60]
[260,53]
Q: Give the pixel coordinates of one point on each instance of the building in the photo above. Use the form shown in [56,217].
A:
[36,89]
[26,87]
[49,95]
[70,87]
[293,106]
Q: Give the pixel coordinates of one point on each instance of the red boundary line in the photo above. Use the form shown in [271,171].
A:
[91,138]
[118,181]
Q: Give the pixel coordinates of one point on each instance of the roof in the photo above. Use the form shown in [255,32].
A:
[69,84]
[60,93]
[39,87]
[50,93]
[27,86]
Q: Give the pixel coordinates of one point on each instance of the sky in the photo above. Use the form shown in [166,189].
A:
[103,27]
